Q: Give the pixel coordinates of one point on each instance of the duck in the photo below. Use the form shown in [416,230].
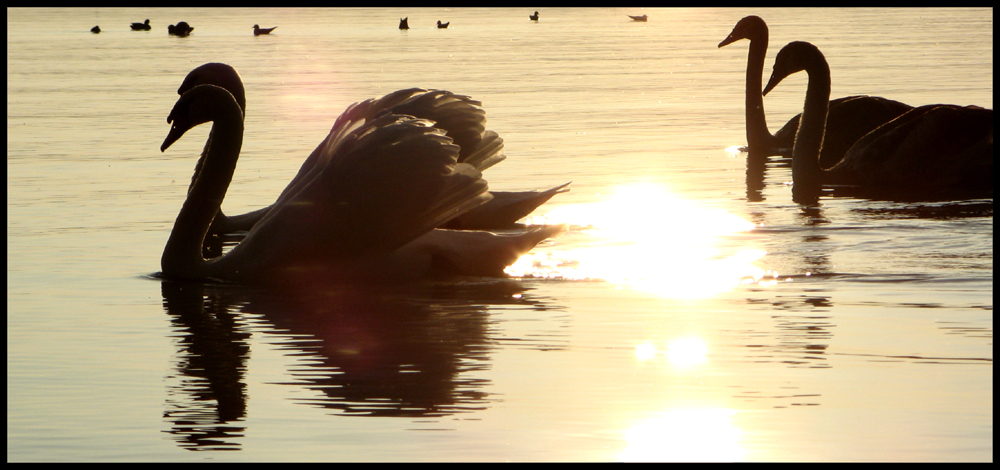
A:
[366,212]
[257,30]
[851,117]
[403,24]
[95,29]
[638,18]
[465,120]
[534,17]
[932,152]
[443,25]
[141,26]
[181,29]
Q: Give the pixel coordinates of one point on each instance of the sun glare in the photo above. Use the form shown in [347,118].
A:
[687,435]
[647,238]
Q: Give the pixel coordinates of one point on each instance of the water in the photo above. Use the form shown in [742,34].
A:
[693,319]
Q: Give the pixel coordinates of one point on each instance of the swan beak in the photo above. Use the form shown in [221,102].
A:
[773,82]
[175,133]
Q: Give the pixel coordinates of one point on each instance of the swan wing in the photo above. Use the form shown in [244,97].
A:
[378,186]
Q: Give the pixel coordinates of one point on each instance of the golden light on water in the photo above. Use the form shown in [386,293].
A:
[686,435]
[684,352]
[645,237]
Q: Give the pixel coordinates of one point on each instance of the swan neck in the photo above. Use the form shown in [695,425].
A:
[182,256]
[759,138]
[806,170]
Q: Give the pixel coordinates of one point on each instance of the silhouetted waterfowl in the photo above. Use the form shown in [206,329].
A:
[460,115]
[933,152]
[638,18]
[534,17]
[95,29]
[368,212]
[257,30]
[850,118]
[403,24]
[181,29]
[443,25]
[141,26]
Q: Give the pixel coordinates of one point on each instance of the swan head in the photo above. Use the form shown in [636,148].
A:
[750,27]
[794,57]
[198,105]
[220,75]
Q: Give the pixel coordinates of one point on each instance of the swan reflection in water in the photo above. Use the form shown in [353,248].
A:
[404,351]
[647,238]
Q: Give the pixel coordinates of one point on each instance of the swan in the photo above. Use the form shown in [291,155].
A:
[95,29]
[466,125]
[850,118]
[367,212]
[638,18]
[141,26]
[257,30]
[403,24]
[181,29]
[534,17]
[443,25]
[930,152]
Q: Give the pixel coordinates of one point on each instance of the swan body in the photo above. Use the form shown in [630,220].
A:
[141,26]
[462,117]
[443,25]
[367,212]
[181,29]
[638,18]
[533,17]
[95,29]
[257,30]
[403,24]
[850,118]
[931,152]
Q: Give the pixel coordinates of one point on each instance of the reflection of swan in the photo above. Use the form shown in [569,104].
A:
[850,117]
[366,210]
[181,29]
[534,17]
[141,26]
[443,25]
[257,30]
[403,24]
[935,151]
[95,29]
[501,212]
[638,18]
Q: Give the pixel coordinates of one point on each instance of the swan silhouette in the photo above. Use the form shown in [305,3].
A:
[933,152]
[443,25]
[366,211]
[257,30]
[95,29]
[638,18]
[403,23]
[534,17]
[463,118]
[850,118]
[141,26]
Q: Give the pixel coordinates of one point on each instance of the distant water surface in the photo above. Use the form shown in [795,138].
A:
[684,316]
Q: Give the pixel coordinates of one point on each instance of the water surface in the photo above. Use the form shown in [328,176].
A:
[684,316]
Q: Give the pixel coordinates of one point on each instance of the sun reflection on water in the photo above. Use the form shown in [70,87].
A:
[645,237]
[684,352]
[686,435]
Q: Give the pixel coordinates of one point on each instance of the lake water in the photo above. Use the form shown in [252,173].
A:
[684,316]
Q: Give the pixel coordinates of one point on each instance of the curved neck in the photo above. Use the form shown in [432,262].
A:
[759,138]
[806,171]
[182,256]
